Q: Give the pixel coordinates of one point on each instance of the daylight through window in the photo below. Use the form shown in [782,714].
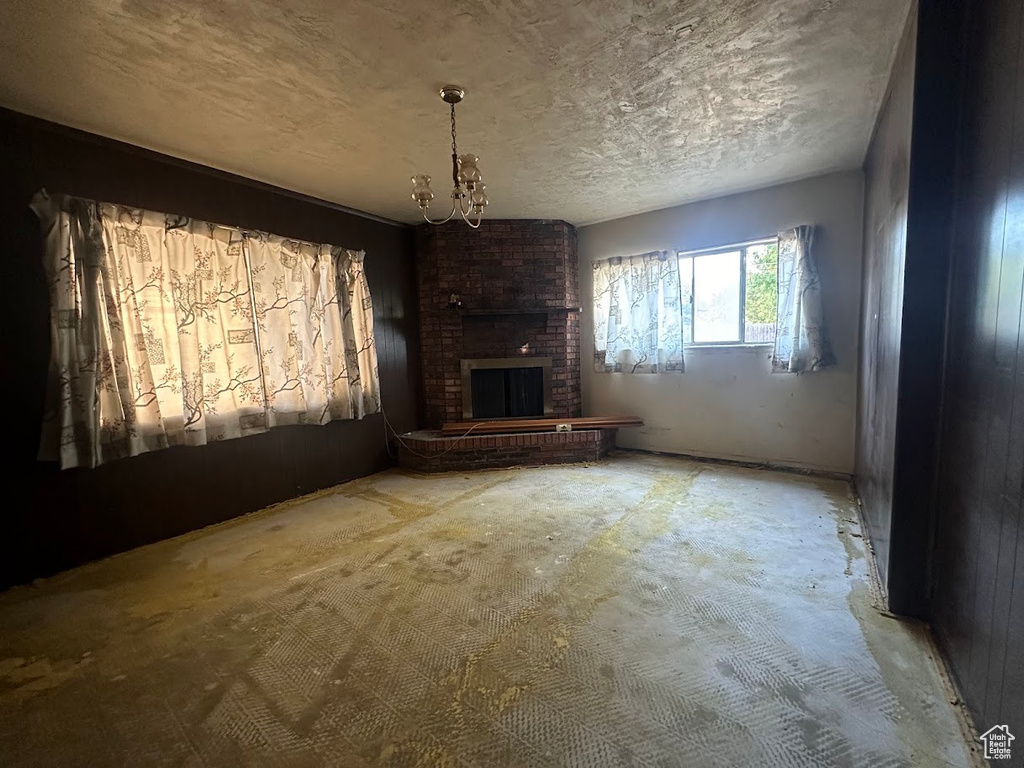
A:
[730,294]
[174,331]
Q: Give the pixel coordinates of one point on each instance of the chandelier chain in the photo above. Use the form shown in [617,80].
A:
[454,150]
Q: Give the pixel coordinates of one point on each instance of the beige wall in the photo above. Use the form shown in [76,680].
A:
[728,404]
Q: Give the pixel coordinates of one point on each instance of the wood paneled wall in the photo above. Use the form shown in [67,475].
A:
[53,520]
[941,423]
[909,178]
[886,187]
[978,591]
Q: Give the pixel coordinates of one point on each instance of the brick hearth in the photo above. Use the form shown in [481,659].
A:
[525,268]
[428,451]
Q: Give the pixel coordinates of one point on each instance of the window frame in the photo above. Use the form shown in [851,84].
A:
[742,248]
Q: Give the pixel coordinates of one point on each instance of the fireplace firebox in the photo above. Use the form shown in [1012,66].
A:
[506,387]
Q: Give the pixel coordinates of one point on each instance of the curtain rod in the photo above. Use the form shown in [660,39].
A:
[244,232]
[247,232]
[727,246]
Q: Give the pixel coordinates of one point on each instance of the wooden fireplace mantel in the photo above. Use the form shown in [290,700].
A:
[518,311]
[504,426]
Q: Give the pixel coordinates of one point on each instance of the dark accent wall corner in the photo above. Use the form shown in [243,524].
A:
[54,520]
[909,178]
[940,459]
[977,600]
[886,186]
[936,123]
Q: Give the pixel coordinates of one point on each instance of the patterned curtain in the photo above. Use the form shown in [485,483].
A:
[172,331]
[801,341]
[638,319]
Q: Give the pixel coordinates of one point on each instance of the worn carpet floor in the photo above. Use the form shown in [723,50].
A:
[640,611]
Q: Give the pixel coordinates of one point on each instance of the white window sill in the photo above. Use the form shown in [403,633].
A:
[766,345]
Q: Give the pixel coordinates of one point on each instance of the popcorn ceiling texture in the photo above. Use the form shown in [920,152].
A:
[582,111]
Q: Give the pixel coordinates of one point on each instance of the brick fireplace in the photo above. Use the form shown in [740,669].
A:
[500,337]
[507,290]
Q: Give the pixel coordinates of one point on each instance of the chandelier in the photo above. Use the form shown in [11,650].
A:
[468,196]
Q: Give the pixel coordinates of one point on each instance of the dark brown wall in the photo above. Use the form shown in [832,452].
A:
[886,187]
[53,519]
[937,107]
[978,591]
[941,429]
[909,209]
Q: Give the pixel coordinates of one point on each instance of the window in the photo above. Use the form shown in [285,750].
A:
[173,331]
[730,294]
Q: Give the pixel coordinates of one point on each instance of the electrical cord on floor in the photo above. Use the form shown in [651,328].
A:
[387,442]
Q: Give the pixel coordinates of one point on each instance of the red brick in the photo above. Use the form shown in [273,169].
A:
[503,264]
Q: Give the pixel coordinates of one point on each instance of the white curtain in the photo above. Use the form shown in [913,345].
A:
[801,340]
[172,331]
[638,320]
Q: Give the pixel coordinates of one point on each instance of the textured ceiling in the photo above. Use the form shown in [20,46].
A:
[584,110]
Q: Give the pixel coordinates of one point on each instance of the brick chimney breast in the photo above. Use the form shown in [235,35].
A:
[517,287]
